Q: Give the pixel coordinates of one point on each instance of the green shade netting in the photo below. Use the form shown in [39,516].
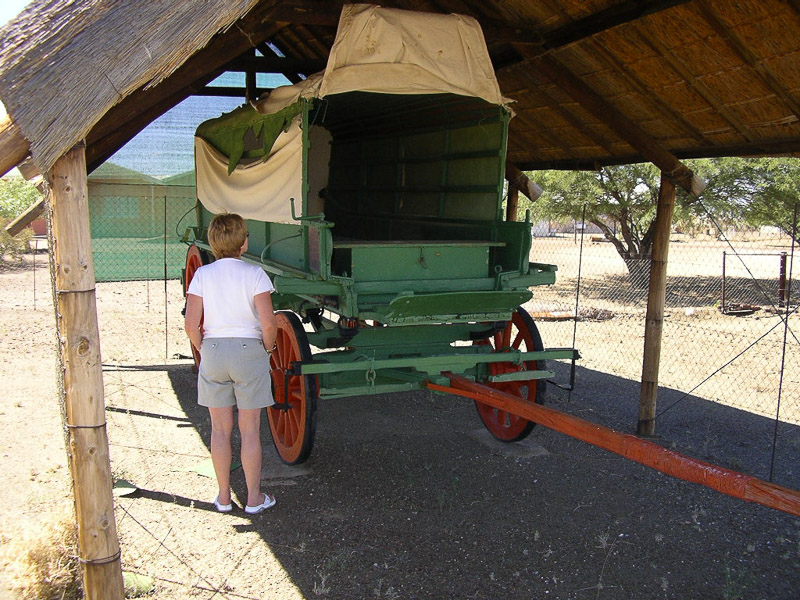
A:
[227,132]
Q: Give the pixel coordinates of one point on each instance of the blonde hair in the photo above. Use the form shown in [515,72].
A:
[226,235]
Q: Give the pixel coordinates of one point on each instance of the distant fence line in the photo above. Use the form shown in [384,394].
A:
[731,334]
[136,231]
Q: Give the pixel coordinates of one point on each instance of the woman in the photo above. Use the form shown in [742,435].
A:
[233,301]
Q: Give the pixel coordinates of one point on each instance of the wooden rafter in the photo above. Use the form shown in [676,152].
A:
[603,54]
[275,64]
[767,77]
[695,84]
[567,115]
[614,16]
[624,127]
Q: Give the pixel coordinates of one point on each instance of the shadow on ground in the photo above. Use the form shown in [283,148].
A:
[405,496]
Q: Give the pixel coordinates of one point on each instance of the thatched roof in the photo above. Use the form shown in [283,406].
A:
[595,82]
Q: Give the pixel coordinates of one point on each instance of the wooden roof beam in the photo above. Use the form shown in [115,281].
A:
[763,72]
[769,148]
[13,145]
[522,182]
[624,127]
[603,54]
[698,86]
[614,16]
[275,64]
[326,14]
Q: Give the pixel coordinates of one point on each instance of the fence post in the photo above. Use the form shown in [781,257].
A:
[82,392]
[655,308]
[782,299]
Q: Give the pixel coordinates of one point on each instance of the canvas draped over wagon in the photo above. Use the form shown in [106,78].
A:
[251,161]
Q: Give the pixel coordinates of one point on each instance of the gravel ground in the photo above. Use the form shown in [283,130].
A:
[405,496]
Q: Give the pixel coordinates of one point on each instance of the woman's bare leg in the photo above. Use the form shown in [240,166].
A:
[221,429]
[250,430]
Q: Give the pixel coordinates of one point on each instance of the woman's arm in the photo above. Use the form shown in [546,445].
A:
[266,315]
[191,323]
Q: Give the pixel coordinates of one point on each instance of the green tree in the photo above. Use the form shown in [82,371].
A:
[622,201]
[16,195]
[755,192]
[619,200]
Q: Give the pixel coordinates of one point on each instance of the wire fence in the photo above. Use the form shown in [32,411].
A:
[730,364]
[136,230]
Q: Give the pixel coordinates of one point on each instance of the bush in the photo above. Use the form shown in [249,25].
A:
[14,247]
[16,195]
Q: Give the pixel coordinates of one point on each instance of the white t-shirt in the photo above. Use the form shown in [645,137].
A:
[227,287]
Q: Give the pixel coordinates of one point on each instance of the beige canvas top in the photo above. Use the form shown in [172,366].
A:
[380,50]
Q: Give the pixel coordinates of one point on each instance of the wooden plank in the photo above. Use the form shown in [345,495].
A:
[29,216]
[82,378]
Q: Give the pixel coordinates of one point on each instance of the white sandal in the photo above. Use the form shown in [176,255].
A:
[269,502]
[223,508]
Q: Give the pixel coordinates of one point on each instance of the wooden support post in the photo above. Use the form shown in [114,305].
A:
[655,308]
[82,393]
[512,204]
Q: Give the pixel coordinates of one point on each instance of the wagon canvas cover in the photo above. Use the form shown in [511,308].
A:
[250,160]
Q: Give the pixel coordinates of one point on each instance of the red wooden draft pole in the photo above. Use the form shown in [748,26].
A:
[732,483]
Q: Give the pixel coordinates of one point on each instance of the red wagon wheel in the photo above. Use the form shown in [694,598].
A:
[194,260]
[292,417]
[519,333]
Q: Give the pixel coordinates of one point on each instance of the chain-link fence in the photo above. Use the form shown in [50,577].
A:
[730,364]
[136,229]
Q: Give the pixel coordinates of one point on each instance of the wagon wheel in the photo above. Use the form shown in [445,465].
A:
[292,417]
[519,333]
[194,260]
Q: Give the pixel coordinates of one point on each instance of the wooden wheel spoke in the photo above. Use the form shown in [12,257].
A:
[519,334]
[292,427]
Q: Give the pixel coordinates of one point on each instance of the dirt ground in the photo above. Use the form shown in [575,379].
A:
[404,497]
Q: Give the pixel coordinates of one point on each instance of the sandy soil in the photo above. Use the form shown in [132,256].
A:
[404,497]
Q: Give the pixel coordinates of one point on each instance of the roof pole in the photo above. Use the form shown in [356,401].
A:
[81,377]
[655,308]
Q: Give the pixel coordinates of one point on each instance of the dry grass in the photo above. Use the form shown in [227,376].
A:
[46,565]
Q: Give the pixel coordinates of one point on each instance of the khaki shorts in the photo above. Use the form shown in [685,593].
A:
[234,371]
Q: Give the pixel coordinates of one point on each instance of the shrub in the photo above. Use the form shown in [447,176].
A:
[14,247]
[16,195]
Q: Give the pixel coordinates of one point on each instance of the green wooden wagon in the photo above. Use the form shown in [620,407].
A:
[373,194]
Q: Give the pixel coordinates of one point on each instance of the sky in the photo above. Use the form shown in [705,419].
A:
[10,9]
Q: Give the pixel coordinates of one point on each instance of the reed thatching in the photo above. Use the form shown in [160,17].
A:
[600,82]
[66,63]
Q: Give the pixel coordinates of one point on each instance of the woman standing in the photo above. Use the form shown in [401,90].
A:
[232,299]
